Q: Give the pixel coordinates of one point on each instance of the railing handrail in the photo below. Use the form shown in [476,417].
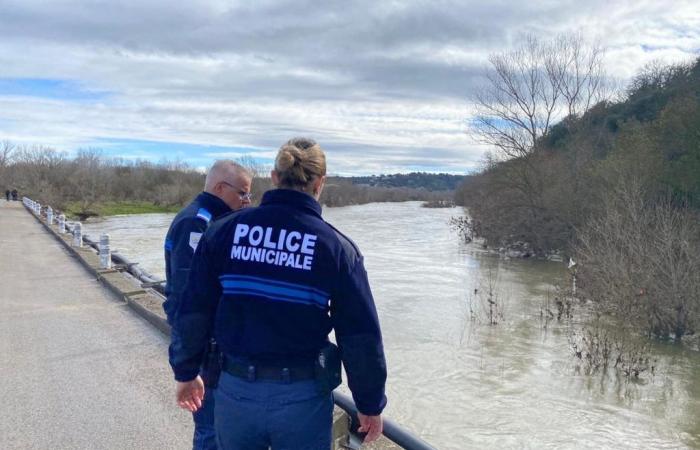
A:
[392,430]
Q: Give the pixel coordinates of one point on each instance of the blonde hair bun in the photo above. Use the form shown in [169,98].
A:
[299,162]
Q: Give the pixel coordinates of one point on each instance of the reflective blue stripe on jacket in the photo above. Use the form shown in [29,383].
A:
[180,243]
[272,282]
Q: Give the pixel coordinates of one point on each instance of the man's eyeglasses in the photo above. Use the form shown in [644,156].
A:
[243,195]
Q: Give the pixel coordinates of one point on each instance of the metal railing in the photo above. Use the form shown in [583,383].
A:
[392,430]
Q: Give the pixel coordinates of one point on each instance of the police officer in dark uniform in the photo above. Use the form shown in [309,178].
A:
[272,282]
[227,187]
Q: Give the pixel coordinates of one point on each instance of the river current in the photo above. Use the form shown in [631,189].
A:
[459,382]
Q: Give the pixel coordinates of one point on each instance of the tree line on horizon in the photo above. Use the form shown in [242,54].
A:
[89,179]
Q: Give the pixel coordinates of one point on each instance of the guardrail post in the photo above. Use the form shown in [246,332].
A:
[49,215]
[105,254]
[77,234]
[62,224]
[38,209]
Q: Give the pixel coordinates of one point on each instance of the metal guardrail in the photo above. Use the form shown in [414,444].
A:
[146,278]
[392,430]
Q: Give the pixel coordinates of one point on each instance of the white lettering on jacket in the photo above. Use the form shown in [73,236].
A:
[273,246]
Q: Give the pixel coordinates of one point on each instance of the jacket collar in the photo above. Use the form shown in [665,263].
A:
[293,198]
[213,204]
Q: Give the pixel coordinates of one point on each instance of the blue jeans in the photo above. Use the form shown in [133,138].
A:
[261,414]
[204,432]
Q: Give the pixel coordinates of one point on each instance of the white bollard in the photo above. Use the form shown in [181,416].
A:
[38,209]
[77,235]
[105,254]
[62,224]
[49,215]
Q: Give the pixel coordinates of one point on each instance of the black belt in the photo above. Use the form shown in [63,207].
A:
[252,372]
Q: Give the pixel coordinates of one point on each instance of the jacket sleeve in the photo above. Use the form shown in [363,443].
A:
[194,318]
[181,243]
[359,337]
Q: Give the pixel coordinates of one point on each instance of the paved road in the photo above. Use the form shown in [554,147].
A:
[78,369]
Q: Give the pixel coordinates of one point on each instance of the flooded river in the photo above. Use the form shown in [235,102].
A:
[455,380]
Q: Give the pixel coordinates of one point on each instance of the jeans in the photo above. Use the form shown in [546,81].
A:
[256,415]
[204,432]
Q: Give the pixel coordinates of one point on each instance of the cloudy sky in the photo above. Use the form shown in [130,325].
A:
[384,86]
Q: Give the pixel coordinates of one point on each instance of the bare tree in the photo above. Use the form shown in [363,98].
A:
[256,167]
[88,181]
[532,87]
[7,148]
[576,71]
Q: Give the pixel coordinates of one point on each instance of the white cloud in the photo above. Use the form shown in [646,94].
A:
[385,85]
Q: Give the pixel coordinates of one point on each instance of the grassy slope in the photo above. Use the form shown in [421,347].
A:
[116,208]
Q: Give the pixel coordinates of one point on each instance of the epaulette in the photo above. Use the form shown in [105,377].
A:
[204,215]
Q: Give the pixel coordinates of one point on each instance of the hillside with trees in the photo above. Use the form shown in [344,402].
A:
[543,196]
[615,184]
[413,180]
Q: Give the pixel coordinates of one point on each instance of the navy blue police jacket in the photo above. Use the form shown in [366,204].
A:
[272,282]
[181,241]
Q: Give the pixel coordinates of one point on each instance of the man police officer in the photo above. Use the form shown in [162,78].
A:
[227,187]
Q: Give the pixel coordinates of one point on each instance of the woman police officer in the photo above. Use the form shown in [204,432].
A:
[269,283]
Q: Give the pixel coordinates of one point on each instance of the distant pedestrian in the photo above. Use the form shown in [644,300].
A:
[227,187]
[7,194]
[14,194]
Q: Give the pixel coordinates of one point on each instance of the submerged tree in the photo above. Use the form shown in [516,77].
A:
[639,261]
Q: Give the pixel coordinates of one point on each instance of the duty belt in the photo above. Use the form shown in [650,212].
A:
[252,372]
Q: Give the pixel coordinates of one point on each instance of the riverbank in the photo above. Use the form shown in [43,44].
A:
[74,210]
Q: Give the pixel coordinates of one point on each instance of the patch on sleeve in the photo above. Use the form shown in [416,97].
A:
[204,215]
[194,240]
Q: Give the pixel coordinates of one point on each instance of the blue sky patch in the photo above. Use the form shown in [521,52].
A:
[50,88]
[195,155]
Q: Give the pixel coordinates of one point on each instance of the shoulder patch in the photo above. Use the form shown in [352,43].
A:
[194,240]
[204,215]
